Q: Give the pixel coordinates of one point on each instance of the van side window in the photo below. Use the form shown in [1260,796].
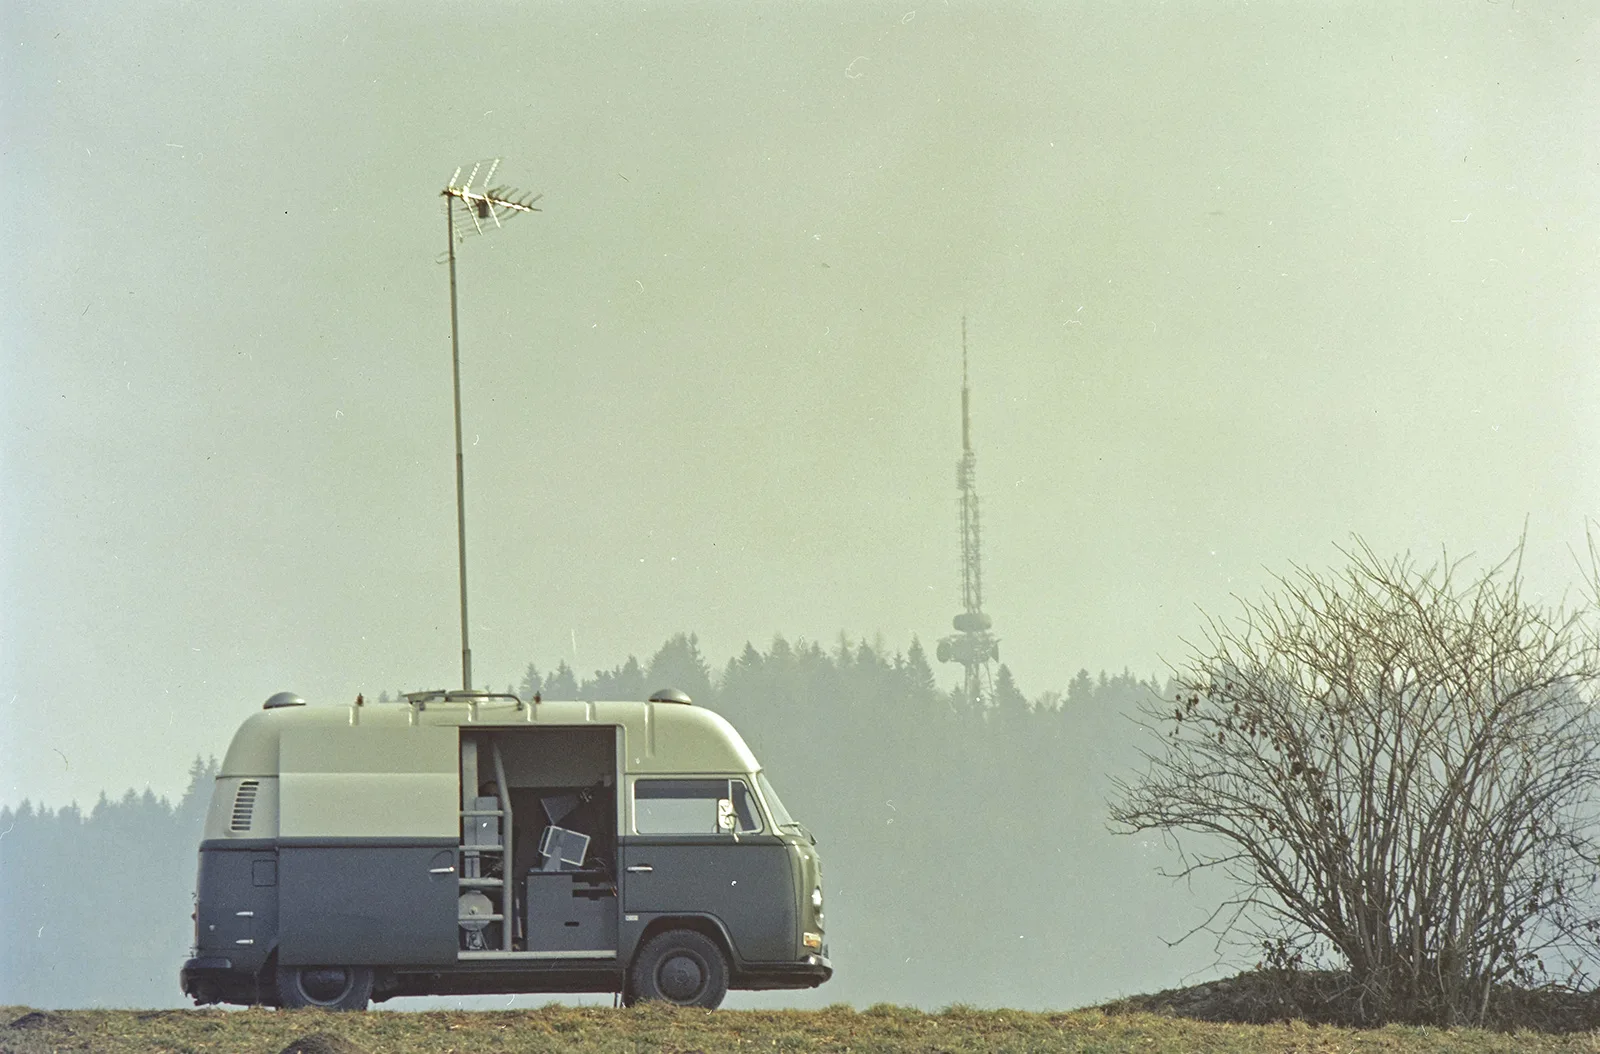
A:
[690,806]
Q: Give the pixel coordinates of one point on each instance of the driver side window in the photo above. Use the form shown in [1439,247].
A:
[690,806]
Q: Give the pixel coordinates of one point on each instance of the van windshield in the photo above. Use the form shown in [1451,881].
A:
[780,815]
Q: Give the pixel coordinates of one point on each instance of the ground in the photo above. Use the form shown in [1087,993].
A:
[1153,1026]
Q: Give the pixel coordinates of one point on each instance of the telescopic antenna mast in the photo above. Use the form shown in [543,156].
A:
[484,206]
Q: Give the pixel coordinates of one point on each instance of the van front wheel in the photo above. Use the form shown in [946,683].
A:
[326,987]
[681,967]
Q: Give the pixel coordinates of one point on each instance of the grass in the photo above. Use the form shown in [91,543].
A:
[666,1030]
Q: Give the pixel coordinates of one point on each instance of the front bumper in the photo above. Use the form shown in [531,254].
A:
[809,972]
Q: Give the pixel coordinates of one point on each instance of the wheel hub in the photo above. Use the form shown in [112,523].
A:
[681,978]
[325,984]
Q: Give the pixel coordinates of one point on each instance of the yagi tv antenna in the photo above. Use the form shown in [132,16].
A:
[484,206]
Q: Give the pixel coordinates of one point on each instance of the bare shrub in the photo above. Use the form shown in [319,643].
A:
[1397,762]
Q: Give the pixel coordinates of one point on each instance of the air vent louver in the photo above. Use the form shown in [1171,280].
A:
[244,805]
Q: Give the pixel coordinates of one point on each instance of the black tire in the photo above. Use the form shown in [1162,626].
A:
[325,987]
[680,967]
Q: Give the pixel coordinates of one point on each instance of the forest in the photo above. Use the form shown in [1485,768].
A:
[967,857]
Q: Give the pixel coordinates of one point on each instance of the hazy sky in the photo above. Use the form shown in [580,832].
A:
[1242,280]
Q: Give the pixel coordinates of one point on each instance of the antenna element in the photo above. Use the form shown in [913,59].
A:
[486,205]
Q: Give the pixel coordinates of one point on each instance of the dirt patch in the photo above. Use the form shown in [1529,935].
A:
[36,1020]
[1253,998]
[1331,997]
[322,1043]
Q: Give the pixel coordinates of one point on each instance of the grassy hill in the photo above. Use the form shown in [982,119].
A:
[653,1029]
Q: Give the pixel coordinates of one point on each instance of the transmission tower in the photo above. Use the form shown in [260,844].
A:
[972,645]
[484,206]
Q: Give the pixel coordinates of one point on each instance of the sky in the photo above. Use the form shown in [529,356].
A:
[1242,281]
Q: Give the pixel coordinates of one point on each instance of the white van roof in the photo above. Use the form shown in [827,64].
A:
[658,738]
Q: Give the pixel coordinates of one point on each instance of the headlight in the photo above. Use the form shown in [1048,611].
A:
[816,898]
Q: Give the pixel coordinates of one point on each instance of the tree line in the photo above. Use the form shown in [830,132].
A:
[94,904]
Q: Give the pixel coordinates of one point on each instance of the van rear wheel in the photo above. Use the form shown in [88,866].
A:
[325,987]
[681,967]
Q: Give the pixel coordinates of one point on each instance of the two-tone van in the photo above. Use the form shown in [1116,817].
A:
[471,842]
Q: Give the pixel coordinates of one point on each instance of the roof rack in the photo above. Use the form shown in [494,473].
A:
[420,700]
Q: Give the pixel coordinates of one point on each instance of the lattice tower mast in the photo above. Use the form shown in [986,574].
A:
[967,485]
[972,645]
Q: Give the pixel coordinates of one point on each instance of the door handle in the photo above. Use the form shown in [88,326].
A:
[442,870]
[638,868]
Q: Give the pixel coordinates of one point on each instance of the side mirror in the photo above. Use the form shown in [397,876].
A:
[725,819]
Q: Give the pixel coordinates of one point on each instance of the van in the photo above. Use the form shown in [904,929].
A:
[472,842]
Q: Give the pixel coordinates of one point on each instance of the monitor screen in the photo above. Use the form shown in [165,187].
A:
[561,849]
